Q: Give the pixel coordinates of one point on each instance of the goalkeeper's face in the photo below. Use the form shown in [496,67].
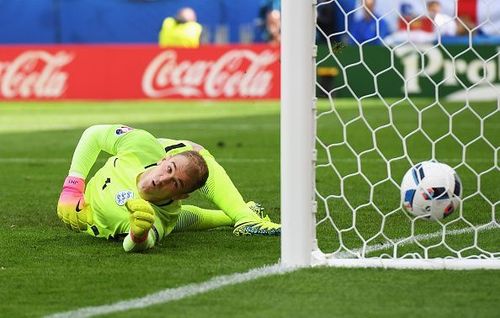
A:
[171,178]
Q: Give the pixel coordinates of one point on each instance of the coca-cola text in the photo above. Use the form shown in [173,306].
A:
[34,74]
[238,72]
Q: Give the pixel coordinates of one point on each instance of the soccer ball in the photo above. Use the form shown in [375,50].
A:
[431,189]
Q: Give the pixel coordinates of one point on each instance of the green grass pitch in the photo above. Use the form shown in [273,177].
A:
[45,268]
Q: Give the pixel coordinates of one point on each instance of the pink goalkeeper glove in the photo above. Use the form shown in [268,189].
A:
[71,208]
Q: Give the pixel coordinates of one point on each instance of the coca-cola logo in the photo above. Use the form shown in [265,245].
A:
[236,73]
[34,74]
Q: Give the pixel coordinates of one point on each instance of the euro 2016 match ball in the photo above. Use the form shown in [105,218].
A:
[431,190]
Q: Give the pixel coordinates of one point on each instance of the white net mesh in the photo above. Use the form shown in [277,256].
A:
[409,93]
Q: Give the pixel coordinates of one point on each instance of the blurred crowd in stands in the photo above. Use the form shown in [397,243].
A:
[397,21]
[183,29]
[393,21]
[240,21]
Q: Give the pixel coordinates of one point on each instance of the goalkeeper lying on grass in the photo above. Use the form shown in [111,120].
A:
[138,192]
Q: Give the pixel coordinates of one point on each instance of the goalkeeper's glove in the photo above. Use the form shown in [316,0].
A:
[71,208]
[142,217]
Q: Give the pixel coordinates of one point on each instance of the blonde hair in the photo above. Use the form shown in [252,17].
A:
[197,169]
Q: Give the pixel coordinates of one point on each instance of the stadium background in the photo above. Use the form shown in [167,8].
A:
[46,269]
[114,21]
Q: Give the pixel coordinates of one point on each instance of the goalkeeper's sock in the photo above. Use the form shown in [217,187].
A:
[130,246]
[220,190]
[193,218]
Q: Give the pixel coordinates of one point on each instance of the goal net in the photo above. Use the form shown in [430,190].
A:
[395,86]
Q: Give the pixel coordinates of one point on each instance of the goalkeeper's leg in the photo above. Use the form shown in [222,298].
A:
[193,218]
[220,190]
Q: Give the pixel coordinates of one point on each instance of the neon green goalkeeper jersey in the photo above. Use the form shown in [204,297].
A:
[133,151]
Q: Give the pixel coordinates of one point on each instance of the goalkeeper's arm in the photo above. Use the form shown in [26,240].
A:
[71,207]
[94,139]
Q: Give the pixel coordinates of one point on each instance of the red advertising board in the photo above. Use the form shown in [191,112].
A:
[138,72]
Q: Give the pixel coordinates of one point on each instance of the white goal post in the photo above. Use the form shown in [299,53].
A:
[332,228]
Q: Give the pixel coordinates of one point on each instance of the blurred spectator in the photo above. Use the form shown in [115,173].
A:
[467,26]
[412,27]
[370,28]
[411,22]
[273,27]
[424,28]
[269,22]
[444,24]
[181,30]
[467,20]
[326,20]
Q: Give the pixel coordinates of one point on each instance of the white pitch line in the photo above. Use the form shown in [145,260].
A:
[171,294]
[411,240]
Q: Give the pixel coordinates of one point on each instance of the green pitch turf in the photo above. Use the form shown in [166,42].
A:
[45,268]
